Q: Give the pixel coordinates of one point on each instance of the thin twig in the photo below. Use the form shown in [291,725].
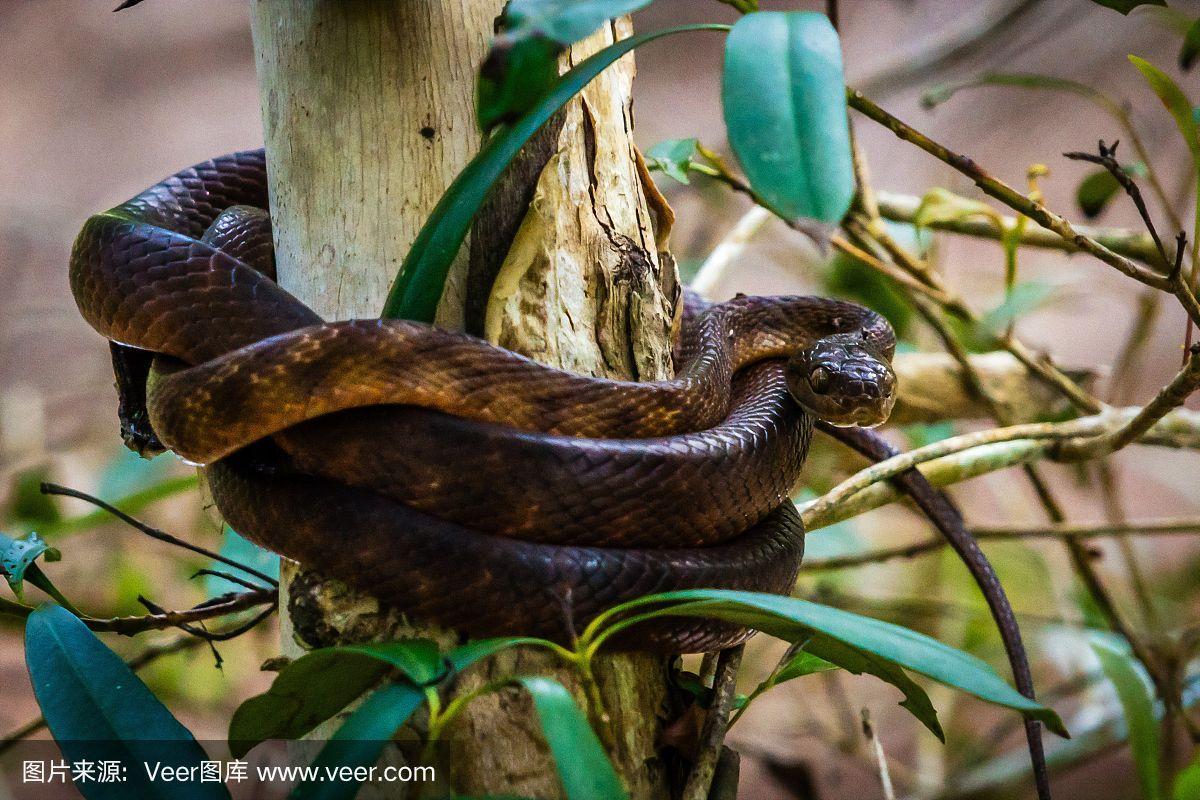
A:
[1169,398]
[154,533]
[1172,283]
[129,626]
[885,777]
[716,721]
[1132,244]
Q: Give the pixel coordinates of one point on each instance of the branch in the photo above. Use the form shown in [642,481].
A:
[1169,527]
[1132,244]
[154,533]
[129,626]
[716,722]
[963,457]
[1173,282]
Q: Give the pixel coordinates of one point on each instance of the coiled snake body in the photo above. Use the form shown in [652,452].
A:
[465,484]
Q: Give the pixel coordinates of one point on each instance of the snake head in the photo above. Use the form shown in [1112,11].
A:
[843,380]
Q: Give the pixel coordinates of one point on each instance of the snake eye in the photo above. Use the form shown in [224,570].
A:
[819,379]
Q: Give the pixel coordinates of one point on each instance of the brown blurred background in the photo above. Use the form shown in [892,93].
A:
[95,106]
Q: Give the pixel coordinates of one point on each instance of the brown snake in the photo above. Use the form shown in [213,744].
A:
[462,483]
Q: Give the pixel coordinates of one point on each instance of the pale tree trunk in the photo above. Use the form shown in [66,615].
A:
[367,110]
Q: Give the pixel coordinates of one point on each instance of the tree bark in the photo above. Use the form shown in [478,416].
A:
[367,111]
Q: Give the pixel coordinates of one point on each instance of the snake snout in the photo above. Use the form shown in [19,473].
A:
[842,381]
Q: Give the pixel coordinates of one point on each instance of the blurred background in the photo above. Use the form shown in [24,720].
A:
[97,106]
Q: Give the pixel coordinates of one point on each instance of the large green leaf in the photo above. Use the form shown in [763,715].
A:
[319,684]
[97,709]
[793,619]
[785,110]
[582,764]
[417,289]
[360,740]
[1137,701]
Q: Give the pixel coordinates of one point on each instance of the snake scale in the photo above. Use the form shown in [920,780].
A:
[462,483]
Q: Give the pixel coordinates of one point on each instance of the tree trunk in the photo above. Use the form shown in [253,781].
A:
[367,110]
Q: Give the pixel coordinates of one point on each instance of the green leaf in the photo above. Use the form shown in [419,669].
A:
[17,557]
[465,655]
[793,619]
[360,740]
[1125,6]
[673,157]
[1187,782]
[97,709]
[940,93]
[850,278]
[564,21]
[1137,701]
[27,503]
[1023,298]
[1095,192]
[318,685]
[416,291]
[785,110]
[1191,46]
[801,664]
[744,6]
[515,74]
[1175,100]
[522,64]
[583,766]
[941,205]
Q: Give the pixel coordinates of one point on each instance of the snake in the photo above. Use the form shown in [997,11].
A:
[461,483]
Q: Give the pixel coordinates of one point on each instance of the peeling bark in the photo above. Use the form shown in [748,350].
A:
[368,115]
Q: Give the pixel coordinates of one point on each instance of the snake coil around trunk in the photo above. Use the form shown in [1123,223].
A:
[464,484]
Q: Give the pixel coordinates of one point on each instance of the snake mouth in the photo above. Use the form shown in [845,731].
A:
[843,383]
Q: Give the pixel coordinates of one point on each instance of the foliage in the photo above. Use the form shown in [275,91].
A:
[97,709]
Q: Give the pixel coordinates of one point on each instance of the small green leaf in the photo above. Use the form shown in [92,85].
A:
[1191,46]
[801,664]
[1187,782]
[97,709]
[673,157]
[516,73]
[1137,701]
[785,110]
[564,21]
[27,503]
[1176,103]
[1095,192]
[583,766]
[17,556]
[744,6]
[360,740]
[1125,6]
[319,684]
[1023,298]
[522,64]
[940,205]
[418,288]
[465,655]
